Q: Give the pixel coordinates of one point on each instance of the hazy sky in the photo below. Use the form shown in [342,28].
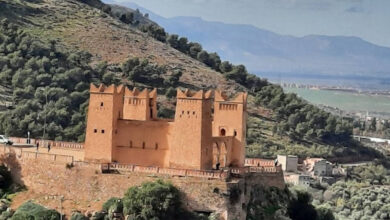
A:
[368,19]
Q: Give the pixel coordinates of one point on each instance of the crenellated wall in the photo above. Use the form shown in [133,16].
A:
[123,127]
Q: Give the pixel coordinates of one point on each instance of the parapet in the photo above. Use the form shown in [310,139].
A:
[111,89]
[187,94]
[145,93]
[241,97]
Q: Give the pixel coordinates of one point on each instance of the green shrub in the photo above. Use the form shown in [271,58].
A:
[32,211]
[300,207]
[152,200]
[325,213]
[6,215]
[78,216]
[111,202]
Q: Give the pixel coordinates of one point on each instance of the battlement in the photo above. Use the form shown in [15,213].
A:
[186,142]
[143,94]
[111,89]
[188,94]
[239,98]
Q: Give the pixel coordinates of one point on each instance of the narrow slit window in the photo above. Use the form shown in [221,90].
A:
[103,131]
[95,130]
[101,104]
[143,145]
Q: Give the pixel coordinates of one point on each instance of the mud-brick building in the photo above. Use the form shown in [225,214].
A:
[208,130]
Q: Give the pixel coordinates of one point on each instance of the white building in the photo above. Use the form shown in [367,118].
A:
[298,179]
[289,162]
[318,167]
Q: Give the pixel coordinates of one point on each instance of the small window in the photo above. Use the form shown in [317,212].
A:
[156,147]
[223,132]
[143,145]
[94,130]
[131,144]
[101,104]
[103,131]
[193,113]
[235,133]
[188,112]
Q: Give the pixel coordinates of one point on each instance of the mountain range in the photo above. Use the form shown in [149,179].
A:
[266,53]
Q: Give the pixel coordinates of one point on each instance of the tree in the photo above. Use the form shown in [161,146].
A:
[152,200]
[183,45]
[173,40]
[325,213]
[226,67]
[174,78]
[203,57]
[106,9]
[238,74]
[127,17]
[300,207]
[195,48]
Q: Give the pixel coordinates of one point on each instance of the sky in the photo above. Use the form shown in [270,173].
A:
[367,19]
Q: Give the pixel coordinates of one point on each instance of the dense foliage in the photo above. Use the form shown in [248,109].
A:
[50,87]
[152,200]
[357,201]
[32,211]
[267,203]
[300,119]
[370,174]
[276,204]
[374,127]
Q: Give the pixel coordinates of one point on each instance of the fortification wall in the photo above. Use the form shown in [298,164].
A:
[85,188]
[135,146]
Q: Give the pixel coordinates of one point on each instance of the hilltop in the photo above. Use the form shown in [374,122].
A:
[290,125]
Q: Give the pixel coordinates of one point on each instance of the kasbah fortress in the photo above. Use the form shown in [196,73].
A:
[201,151]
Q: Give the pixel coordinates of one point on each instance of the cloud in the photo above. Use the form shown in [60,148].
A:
[354,9]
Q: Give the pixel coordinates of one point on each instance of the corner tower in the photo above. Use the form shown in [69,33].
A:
[191,138]
[230,120]
[104,110]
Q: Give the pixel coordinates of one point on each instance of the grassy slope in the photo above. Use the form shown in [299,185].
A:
[78,26]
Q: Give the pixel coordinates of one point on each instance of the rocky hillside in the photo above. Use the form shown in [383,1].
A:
[293,126]
[78,26]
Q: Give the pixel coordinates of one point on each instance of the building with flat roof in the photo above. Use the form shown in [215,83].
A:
[208,130]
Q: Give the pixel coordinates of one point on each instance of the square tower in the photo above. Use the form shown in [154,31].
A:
[104,110]
[192,133]
[230,120]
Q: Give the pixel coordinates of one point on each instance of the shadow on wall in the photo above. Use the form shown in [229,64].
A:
[12,163]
